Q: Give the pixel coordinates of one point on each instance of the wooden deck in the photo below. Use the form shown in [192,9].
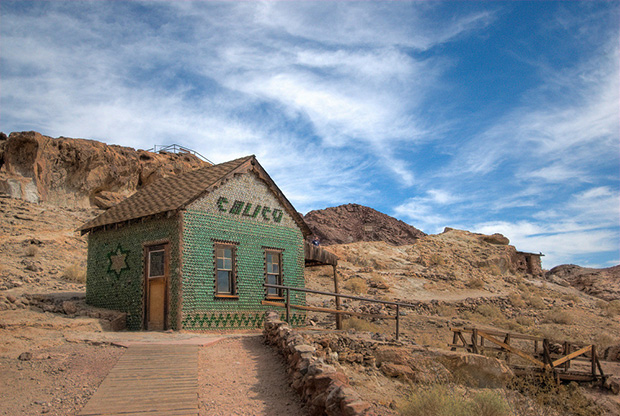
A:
[149,380]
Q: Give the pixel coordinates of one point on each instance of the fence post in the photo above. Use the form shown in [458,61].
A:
[338,316]
[397,320]
[288,305]
[474,340]
[594,361]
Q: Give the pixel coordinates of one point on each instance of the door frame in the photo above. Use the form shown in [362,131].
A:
[147,247]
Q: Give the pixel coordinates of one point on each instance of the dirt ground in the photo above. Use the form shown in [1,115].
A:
[56,381]
[238,375]
[243,376]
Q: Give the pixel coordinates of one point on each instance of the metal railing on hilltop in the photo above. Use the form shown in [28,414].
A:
[176,148]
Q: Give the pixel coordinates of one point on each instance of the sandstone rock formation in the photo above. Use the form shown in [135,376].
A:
[601,283]
[350,223]
[79,172]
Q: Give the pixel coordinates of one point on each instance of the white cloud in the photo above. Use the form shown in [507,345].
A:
[358,24]
[586,224]
[431,212]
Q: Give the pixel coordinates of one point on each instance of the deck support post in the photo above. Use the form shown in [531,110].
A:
[338,316]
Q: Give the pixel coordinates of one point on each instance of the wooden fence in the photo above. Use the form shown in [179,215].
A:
[535,351]
[338,312]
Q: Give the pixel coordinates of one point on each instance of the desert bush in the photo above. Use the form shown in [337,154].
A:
[536,302]
[489,403]
[516,300]
[357,260]
[559,316]
[525,321]
[604,340]
[436,260]
[475,283]
[446,310]
[32,251]
[75,273]
[611,308]
[440,400]
[361,325]
[494,269]
[565,399]
[571,297]
[490,311]
[377,280]
[356,285]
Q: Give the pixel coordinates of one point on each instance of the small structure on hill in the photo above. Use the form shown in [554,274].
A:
[193,251]
[530,263]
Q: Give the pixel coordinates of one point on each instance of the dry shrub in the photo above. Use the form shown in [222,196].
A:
[357,260]
[361,325]
[356,285]
[571,297]
[446,310]
[32,251]
[377,279]
[536,302]
[516,300]
[440,400]
[565,399]
[475,283]
[75,273]
[526,321]
[494,269]
[559,316]
[490,311]
[611,308]
[436,260]
[489,403]
[604,340]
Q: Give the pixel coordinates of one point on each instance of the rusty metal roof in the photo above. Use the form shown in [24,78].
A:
[176,192]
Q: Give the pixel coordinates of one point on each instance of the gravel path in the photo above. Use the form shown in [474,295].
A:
[242,376]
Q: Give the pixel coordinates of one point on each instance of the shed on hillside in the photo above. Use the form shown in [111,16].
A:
[192,251]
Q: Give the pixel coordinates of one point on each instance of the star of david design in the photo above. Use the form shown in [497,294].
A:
[118,261]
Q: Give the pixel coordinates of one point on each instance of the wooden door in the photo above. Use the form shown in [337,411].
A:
[156,287]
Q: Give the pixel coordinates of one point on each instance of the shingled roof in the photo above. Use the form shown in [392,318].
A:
[174,193]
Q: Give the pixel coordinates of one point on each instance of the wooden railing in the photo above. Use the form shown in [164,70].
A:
[288,306]
[175,148]
[543,358]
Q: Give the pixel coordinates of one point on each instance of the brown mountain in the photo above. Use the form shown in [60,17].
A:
[602,283]
[79,172]
[352,222]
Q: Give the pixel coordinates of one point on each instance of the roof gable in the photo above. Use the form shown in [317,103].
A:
[174,193]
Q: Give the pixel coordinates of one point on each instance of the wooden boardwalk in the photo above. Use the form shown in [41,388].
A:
[149,380]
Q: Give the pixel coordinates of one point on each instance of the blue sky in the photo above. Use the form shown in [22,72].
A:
[485,116]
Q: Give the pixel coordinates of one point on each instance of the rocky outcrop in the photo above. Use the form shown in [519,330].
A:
[602,283]
[79,172]
[350,223]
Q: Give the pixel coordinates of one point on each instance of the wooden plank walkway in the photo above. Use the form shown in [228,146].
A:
[149,380]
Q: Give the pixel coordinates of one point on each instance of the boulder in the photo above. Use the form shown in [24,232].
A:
[477,370]
[496,238]
[107,199]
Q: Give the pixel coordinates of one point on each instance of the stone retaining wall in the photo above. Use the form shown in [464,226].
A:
[325,390]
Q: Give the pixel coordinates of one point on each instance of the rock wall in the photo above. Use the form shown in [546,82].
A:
[78,172]
[325,390]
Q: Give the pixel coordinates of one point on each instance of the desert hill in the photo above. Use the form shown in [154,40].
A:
[452,279]
[80,173]
[352,222]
